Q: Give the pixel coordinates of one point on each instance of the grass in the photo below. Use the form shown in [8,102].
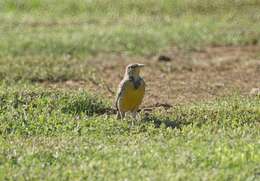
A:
[62,134]
[41,139]
[85,29]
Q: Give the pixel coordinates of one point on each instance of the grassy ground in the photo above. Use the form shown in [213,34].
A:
[35,27]
[60,62]
[54,135]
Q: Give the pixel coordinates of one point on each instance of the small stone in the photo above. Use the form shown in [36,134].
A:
[254,42]
[164,58]
[255,91]
[219,85]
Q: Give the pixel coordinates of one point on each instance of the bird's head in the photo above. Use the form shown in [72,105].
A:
[133,70]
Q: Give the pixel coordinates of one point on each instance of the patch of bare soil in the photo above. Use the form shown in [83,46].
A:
[176,77]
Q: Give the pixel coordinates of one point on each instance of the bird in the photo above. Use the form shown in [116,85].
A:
[130,92]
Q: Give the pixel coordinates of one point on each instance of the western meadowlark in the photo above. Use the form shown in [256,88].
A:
[130,92]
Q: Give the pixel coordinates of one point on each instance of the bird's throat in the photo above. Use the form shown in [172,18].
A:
[136,81]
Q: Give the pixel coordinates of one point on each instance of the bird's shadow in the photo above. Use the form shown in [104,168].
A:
[167,122]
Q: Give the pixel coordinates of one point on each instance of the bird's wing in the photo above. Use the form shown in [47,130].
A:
[143,82]
[142,85]
[120,91]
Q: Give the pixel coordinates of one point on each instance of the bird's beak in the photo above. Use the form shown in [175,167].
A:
[140,65]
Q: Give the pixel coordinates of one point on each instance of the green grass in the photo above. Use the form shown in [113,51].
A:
[52,135]
[43,40]
[38,69]
[86,28]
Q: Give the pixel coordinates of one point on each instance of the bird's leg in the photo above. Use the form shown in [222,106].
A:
[120,115]
[134,115]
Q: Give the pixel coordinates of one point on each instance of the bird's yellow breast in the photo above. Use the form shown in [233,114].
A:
[132,97]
